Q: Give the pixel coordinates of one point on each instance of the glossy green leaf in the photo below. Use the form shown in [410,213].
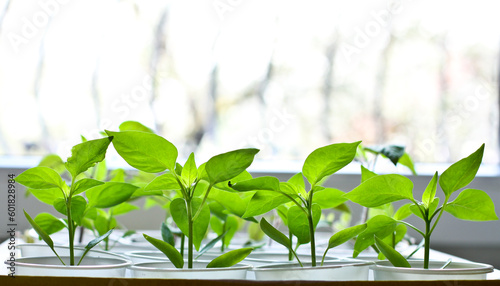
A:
[327,160]
[145,151]
[110,194]
[167,235]
[134,126]
[292,190]
[472,204]
[297,180]
[189,171]
[403,212]
[344,236]
[165,182]
[211,244]
[267,183]
[298,222]
[230,258]
[178,211]
[45,237]
[53,162]
[366,174]
[235,203]
[430,191]
[40,178]
[461,173]
[86,155]
[49,223]
[85,184]
[173,255]
[47,196]
[380,226]
[406,161]
[282,211]
[231,227]
[93,243]
[225,186]
[118,175]
[329,198]
[123,208]
[381,190]
[263,202]
[275,234]
[100,171]
[224,167]
[78,206]
[418,210]
[392,255]
[392,152]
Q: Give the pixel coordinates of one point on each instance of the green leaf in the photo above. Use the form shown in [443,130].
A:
[366,174]
[230,258]
[101,171]
[45,237]
[430,192]
[49,223]
[178,211]
[226,166]
[40,178]
[232,226]
[235,203]
[263,202]
[134,126]
[118,175]
[165,182]
[392,255]
[167,235]
[403,212]
[298,223]
[345,235]
[145,151]
[380,226]
[78,206]
[47,196]
[123,208]
[406,161]
[267,183]
[85,184]
[297,180]
[329,198]
[461,173]
[327,160]
[393,152]
[93,243]
[53,162]
[173,255]
[189,171]
[282,213]
[382,189]
[86,155]
[472,204]
[211,244]
[110,194]
[275,234]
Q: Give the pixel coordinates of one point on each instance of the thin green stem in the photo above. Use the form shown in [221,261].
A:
[190,233]
[416,229]
[203,202]
[311,227]
[294,201]
[290,252]
[71,226]
[439,216]
[427,238]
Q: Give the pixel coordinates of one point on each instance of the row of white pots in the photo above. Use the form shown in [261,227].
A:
[38,260]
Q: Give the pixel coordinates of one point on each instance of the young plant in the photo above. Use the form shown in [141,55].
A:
[152,153]
[305,213]
[470,204]
[48,186]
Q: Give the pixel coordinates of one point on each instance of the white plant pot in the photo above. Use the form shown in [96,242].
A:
[42,250]
[341,270]
[383,271]
[90,267]
[265,258]
[166,270]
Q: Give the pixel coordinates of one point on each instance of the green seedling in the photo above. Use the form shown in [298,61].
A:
[47,185]
[303,217]
[193,184]
[470,204]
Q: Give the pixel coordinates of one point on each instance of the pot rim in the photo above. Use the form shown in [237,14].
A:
[89,253]
[467,269]
[327,265]
[123,262]
[143,266]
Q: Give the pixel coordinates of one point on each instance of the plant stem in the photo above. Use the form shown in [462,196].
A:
[71,232]
[224,238]
[190,233]
[183,242]
[427,238]
[290,253]
[313,243]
